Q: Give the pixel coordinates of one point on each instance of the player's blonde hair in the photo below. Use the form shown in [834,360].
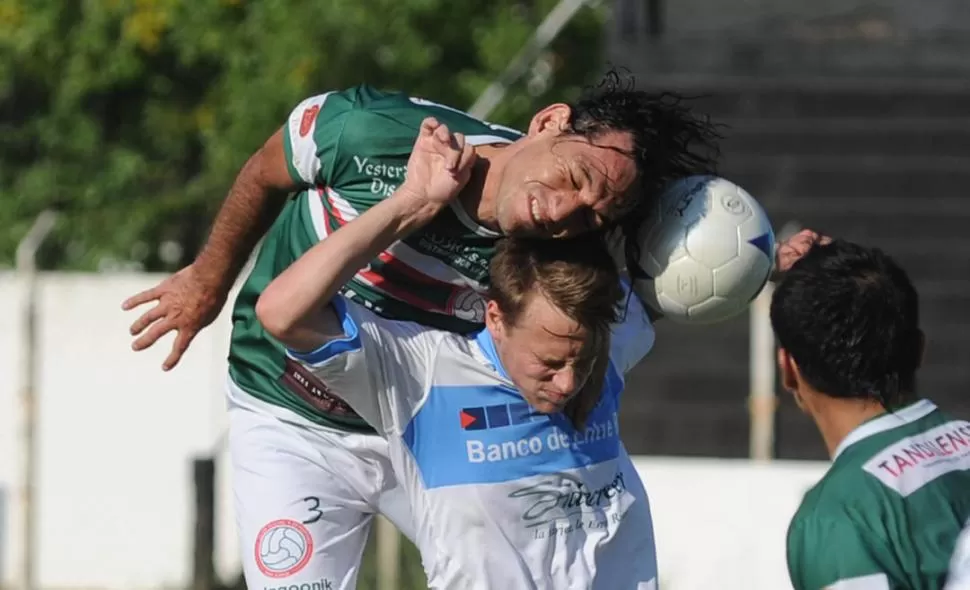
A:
[577,276]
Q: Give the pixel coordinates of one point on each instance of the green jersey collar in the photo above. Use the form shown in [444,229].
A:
[456,207]
[910,413]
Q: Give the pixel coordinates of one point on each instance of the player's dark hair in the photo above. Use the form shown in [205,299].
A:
[670,141]
[849,317]
[579,277]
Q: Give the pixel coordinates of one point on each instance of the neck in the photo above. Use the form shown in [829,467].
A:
[836,418]
[478,198]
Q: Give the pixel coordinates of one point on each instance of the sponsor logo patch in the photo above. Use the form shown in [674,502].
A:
[309,117]
[915,461]
[497,416]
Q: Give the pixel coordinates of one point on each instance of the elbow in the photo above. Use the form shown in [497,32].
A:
[272,315]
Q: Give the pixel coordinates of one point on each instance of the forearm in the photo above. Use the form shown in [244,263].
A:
[292,307]
[253,202]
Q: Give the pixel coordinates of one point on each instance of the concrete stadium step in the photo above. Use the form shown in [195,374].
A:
[768,51]
[879,161]
[904,236]
[921,209]
[911,178]
[711,416]
[848,137]
[820,98]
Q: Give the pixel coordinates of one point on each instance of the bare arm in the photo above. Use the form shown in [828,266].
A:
[295,309]
[254,201]
[192,298]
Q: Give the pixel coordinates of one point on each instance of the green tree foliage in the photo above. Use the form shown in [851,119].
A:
[133,116]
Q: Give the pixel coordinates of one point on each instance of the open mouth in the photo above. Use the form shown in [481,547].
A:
[534,212]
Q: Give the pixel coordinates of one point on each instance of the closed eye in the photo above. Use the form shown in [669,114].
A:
[554,364]
[572,179]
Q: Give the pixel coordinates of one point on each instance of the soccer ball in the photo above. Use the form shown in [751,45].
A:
[708,249]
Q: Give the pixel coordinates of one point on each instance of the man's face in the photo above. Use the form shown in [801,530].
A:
[557,184]
[547,355]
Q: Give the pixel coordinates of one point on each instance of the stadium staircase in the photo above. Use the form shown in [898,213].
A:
[886,163]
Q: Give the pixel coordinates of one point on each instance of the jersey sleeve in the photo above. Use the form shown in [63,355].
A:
[380,367]
[633,336]
[830,553]
[312,135]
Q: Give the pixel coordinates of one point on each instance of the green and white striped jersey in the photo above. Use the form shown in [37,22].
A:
[887,513]
[350,150]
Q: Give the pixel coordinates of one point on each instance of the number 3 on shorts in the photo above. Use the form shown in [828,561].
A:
[313,509]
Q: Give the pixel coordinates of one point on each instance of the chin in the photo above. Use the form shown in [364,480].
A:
[547,407]
[522,232]
[514,227]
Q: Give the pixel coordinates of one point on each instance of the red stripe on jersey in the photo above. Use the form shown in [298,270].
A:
[389,287]
[395,263]
[414,274]
[396,292]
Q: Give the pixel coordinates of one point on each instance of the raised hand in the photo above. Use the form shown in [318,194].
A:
[440,164]
[789,251]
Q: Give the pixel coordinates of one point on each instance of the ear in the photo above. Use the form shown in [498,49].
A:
[494,319]
[789,373]
[552,119]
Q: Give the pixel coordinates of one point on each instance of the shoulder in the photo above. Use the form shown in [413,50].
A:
[844,507]
[633,336]
[401,113]
[844,486]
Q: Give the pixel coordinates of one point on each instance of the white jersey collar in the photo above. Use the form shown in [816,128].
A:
[486,345]
[888,421]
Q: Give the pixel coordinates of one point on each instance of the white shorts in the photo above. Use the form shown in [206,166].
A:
[305,496]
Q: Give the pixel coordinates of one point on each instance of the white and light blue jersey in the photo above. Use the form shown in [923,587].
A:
[502,496]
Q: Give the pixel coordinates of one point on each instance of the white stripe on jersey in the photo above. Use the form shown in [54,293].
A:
[870,582]
[341,205]
[959,577]
[315,204]
[496,126]
[303,147]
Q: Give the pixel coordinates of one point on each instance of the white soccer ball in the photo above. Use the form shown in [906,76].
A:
[708,248]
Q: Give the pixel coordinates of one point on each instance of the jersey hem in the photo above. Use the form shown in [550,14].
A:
[296,413]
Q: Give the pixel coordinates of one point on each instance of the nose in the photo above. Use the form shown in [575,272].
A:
[565,380]
[568,213]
